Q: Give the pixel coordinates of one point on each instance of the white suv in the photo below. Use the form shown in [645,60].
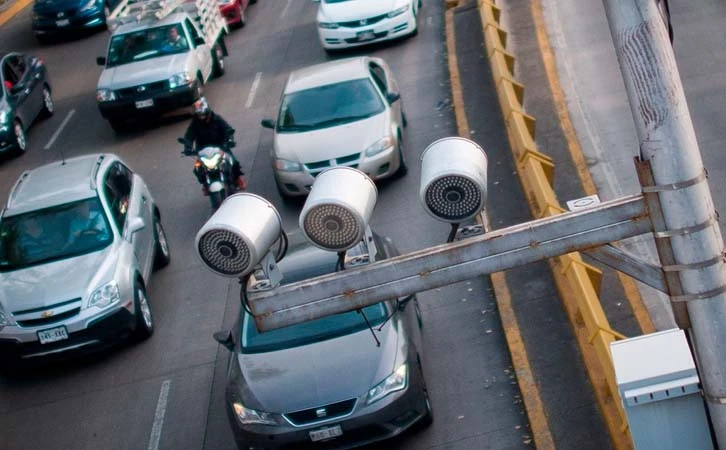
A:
[78,241]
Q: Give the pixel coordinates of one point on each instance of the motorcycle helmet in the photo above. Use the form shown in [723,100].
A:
[201,108]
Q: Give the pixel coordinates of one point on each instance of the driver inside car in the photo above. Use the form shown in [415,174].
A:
[87,220]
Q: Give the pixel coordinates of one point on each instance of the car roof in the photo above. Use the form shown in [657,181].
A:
[327,73]
[130,27]
[56,183]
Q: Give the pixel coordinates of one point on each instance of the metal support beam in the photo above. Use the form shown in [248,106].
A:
[450,263]
[620,260]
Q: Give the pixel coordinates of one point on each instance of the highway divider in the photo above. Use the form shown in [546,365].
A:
[577,282]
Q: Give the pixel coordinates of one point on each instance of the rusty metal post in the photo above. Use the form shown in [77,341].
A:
[668,142]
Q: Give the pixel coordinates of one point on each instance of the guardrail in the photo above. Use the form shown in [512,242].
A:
[577,282]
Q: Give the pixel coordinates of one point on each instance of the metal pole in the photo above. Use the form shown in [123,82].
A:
[668,141]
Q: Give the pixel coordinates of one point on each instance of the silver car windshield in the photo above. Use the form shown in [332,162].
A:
[329,105]
[144,44]
[53,234]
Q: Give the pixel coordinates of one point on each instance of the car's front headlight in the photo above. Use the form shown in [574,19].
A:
[285,165]
[396,381]
[105,95]
[248,416]
[328,25]
[179,79]
[4,121]
[380,145]
[105,295]
[5,320]
[90,5]
[398,11]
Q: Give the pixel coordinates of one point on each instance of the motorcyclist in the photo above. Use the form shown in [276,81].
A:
[210,129]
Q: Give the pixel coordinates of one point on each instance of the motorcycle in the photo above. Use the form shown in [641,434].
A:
[214,166]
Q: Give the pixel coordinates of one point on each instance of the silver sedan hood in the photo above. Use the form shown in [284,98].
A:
[333,142]
[142,72]
[47,284]
[318,374]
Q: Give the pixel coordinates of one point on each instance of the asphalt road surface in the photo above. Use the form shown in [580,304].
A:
[166,393]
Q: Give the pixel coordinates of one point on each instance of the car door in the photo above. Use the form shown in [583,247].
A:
[202,53]
[18,96]
[31,78]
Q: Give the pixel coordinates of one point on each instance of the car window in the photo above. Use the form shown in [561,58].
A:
[192,31]
[52,234]
[10,71]
[329,105]
[117,189]
[145,44]
[379,76]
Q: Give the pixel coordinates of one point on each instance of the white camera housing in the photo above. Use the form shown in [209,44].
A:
[238,235]
[453,179]
[338,208]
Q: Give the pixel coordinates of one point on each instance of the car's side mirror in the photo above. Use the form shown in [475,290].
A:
[101,60]
[403,302]
[393,97]
[225,338]
[135,224]
[199,41]
[268,123]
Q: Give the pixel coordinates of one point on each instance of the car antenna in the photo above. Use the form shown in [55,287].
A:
[340,266]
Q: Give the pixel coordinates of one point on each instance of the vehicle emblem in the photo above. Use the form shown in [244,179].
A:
[46,314]
[141,88]
[363,22]
[61,14]
[321,412]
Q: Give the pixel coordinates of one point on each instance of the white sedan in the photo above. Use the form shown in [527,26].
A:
[340,113]
[350,23]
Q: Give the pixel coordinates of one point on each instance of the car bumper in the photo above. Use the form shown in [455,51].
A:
[231,14]
[54,25]
[384,30]
[162,102]
[382,420]
[84,335]
[382,165]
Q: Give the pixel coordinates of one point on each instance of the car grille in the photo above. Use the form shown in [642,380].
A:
[142,90]
[45,315]
[362,22]
[331,411]
[318,166]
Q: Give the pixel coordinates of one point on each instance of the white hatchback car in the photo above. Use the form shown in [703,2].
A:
[350,23]
[340,113]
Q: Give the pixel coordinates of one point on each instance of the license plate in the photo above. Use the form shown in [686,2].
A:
[326,433]
[63,22]
[52,335]
[366,36]
[145,103]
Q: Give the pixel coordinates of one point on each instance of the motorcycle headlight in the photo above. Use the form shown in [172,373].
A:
[328,25]
[398,11]
[249,416]
[90,5]
[105,95]
[179,79]
[105,295]
[285,165]
[394,382]
[211,162]
[379,146]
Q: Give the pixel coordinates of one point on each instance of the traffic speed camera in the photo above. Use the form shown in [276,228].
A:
[453,184]
[239,234]
[337,211]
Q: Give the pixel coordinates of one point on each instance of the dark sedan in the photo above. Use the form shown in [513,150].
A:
[337,382]
[53,17]
[25,95]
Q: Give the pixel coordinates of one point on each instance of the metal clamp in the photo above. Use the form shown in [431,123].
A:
[676,186]
[687,230]
[695,265]
[698,296]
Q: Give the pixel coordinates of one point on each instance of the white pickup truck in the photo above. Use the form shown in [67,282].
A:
[159,55]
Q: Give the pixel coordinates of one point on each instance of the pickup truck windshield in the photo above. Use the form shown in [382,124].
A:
[145,44]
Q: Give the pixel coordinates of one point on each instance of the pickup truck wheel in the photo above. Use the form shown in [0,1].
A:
[218,61]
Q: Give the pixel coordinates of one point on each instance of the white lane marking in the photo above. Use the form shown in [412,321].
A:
[159,416]
[429,21]
[253,90]
[284,10]
[60,128]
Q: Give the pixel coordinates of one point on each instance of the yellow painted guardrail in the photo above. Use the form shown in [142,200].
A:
[577,282]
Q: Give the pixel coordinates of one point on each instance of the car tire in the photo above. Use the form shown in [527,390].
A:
[242,17]
[428,418]
[402,168]
[21,137]
[48,104]
[162,254]
[404,119]
[218,68]
[42,39]
[118,125]
[144,317]
[216,198]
